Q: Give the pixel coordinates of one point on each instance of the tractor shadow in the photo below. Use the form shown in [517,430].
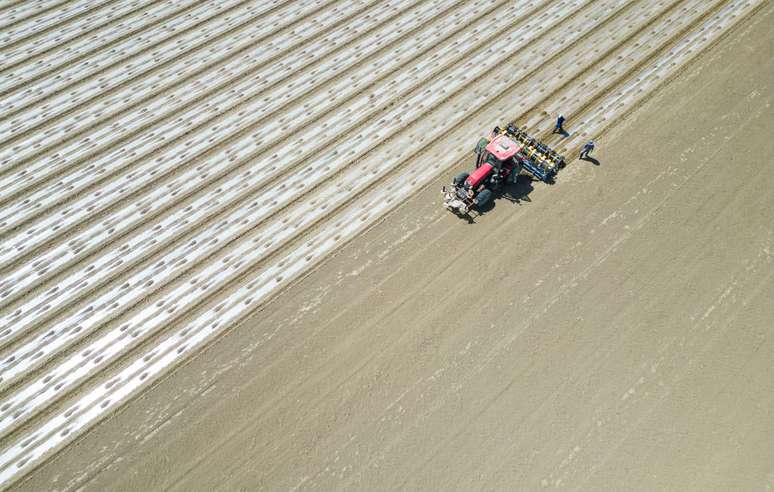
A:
[517,192]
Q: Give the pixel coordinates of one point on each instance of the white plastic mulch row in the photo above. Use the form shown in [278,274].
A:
[645,80]
[138,246]
[59,53]
[180,102]
[236,189]
[12,13]
[102,398]
[143,173]
[37,24]
[70,32]
[189,52]
[596,82]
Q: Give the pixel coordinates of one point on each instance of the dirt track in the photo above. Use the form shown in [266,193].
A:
[613,333]
[617,305]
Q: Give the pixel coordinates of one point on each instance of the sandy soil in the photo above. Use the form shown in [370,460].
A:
[611,332]
[169,167]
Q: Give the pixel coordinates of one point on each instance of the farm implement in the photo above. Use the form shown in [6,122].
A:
[500,158]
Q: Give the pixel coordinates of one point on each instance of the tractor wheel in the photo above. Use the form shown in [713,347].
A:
[460,178]
[483,198]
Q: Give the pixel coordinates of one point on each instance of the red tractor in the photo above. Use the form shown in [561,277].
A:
[500,158]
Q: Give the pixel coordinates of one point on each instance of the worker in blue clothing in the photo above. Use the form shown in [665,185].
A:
[587,149]
[559,122]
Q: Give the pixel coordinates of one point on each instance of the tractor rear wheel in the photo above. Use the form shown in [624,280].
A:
[483,198]
[460,178]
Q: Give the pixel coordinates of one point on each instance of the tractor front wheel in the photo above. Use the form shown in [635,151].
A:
[460,179]
[483,198]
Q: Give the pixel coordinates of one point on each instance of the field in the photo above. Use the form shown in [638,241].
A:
[173,175]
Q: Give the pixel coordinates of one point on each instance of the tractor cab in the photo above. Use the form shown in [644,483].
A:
[501,149]
[500,152]
[500,156]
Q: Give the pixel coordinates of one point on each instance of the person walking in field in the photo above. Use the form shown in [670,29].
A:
[559,128]
[587,149]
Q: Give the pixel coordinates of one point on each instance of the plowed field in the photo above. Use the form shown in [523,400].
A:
[168,168]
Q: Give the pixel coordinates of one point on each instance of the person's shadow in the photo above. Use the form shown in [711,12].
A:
[590,159]
[562,132]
